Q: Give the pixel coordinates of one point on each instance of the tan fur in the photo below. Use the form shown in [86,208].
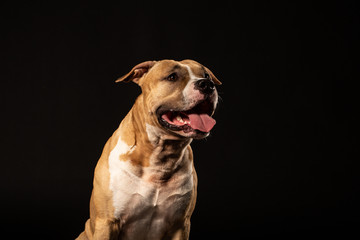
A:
[165,150]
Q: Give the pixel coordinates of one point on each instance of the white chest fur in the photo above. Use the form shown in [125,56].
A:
[146,208]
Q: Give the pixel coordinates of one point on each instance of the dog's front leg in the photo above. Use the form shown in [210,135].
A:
[101,230]
[106,229]
[182,233]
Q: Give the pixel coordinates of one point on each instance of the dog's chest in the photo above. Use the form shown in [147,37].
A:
[144,207]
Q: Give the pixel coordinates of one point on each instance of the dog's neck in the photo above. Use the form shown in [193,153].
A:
[152,147]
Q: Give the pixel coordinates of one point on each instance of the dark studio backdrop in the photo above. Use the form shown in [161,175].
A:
[280,161]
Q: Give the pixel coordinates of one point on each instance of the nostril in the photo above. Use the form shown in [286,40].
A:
[211,85]
[202,84]
[205,85]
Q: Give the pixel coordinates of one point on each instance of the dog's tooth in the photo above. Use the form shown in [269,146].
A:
[178,117]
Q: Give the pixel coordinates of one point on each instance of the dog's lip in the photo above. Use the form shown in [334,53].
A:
[203,107]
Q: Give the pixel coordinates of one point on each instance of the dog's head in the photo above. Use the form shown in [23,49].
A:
[179,97]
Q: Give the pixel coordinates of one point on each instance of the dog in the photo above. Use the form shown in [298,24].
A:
[145,184]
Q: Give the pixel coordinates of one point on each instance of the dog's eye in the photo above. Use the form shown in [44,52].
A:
[172,77]
[206,75]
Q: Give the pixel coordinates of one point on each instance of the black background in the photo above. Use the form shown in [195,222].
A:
[280,161]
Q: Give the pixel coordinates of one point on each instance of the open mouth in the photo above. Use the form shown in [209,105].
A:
[198,118]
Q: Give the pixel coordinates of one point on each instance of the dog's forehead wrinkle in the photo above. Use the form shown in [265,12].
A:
[175,67]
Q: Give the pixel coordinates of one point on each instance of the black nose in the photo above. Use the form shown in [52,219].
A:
[205,86]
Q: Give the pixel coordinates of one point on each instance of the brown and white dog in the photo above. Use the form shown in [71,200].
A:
[145,183]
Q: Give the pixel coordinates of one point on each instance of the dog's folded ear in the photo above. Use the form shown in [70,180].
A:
[213,78]
[137,72]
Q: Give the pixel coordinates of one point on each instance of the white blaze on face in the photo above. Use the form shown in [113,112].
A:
[191,74]
[192,95]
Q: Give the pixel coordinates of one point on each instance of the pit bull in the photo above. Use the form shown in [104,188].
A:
[145,184]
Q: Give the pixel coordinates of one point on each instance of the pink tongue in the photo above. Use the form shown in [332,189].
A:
[202,122]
